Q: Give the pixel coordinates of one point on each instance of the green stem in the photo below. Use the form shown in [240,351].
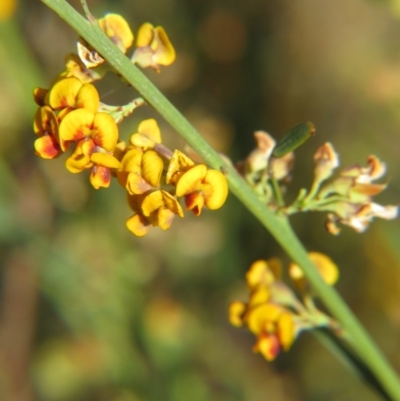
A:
[314,205]
[277,225]
[277,192]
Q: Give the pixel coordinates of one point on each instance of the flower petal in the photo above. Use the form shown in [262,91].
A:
[257,317]
[152,202]
[148,134]
[171,203]
[39,95]
[74,67]
[268,346]
[76,125]
[105,160]
[104,131]
[80,158]
[259,274]
[286,330]
[45,122]
[88,98]
[236,313]
[63,94]
[100,177]
[326,160]
[215,190]
[153,47]
[47,147]
[194,202]
[118,30]
[136,184]
[165,52]
[131,162]
[259,296]
[165,218]
[88,56]
[190,181]
[324,264]
[178,164]
[388,212]
[138,225]
[152,168]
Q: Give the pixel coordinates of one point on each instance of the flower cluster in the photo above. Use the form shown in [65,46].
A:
[347,198]
[67,117]
[71,118]
[153,49]
[274,314]
[153,195]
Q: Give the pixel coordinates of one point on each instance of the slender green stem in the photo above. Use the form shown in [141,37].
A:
[314,205]
[277,225]
[277,192]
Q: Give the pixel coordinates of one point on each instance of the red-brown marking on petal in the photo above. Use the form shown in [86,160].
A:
[100,177]
[194,202]
[47,147]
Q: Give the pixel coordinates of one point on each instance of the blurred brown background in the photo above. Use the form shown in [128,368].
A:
[88,312]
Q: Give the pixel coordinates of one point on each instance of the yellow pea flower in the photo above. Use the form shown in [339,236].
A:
[72,93]
[84,124]
[202,187]
[148,135]
[153,47]
[117,29]
[46,127]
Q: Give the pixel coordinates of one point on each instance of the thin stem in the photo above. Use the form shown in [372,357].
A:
[277,225]
[277,192]
[315,205]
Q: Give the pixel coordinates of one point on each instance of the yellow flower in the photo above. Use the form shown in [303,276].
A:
[117,29]
[84,124]
[148,135]
[140,174]
[160,207]
[274,327]
[101,163]
[100,175]
[138,225]
[273,313]
[202,187]
[46,127]
[140,171]
[73,94]
[156,208]
[263,272]
[178,165]
[325,266]
[267,314]
[153,47]
[80,158]
[96,136]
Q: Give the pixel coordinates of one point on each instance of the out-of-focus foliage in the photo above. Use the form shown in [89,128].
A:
[88,312]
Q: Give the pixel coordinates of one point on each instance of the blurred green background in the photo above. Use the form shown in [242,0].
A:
[89,312]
